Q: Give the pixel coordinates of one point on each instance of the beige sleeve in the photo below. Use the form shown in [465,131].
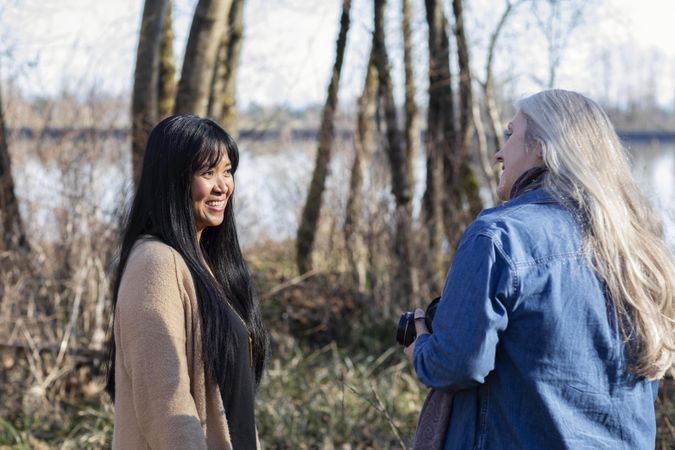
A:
[151,321]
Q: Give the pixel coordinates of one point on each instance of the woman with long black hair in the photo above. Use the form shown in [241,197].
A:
[188,346]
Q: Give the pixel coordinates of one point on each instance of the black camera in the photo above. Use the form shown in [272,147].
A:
[406,333]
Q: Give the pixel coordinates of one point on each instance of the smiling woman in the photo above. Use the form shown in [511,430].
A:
[556,321]
[188,345]
[212,187]
[517,156]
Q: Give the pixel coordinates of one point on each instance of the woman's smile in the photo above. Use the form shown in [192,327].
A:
[211,189]
[216,205]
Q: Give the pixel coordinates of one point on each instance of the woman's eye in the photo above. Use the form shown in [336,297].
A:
[208,173]
[507,134]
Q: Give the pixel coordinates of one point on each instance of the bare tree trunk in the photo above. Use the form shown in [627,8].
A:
[310,214]
[223,103]
[411,131]
[493,114]
[13,233]
[440,135]
[494,120]
[465,91]
[166,93]
[488,86]
[399,164]
[146,75]
[463,186]
[486,164]
[201,53]
[452,212]
[364,149]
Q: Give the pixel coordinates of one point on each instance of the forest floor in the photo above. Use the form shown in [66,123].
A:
[336,378]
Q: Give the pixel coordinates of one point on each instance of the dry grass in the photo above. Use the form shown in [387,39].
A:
[332,398]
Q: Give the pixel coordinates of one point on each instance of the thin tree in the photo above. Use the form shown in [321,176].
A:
[462,186]
[439,139]
[311,211]
[194,87]
[13,232]
[166,84]
[398,162]
[411,131]
[486,163]
[489,84]
[490,101]
[364,149]
[146,75]
[557,20]
[223,103]
[465,90]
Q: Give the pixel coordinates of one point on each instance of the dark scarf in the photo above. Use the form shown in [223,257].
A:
[530,180]
[432,426]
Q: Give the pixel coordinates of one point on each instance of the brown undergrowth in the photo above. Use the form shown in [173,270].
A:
[335,376]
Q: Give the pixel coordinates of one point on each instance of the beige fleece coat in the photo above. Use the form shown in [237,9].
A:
[161,398]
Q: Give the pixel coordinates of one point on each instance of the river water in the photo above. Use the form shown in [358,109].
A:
[271,187]
[654,168]
[271,184]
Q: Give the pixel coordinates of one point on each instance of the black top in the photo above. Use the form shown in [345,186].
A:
[239,397]
[529,180]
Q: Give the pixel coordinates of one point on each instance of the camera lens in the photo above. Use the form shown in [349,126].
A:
[405,333]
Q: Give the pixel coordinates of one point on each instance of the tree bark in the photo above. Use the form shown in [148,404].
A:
[493,113]
[223,102]
[488,86]
[311,211]
[395,151]
[462,186]
[146,75]
[496,126]
[465,91]
[440,135]
[166,86]
[411,131]
[201,53]
[364,149]
[486,164]
[13,232]
[399,165]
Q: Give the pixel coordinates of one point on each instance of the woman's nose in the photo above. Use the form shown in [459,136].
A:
[220,186]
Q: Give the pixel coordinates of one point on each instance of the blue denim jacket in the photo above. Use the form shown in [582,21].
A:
[525,339]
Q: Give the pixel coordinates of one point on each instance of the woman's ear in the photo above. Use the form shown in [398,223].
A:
[539,148]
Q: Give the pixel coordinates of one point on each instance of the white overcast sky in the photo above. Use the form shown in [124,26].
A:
[622,51]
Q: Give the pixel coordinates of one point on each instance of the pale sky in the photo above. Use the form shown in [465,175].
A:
[621,51]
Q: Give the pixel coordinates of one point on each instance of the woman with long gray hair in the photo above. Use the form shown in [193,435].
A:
[556,320]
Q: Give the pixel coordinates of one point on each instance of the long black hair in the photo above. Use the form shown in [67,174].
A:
[177,148]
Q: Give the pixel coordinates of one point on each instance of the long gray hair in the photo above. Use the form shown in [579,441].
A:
[589,172]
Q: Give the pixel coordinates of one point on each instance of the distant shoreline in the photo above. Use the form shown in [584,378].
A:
[295,134]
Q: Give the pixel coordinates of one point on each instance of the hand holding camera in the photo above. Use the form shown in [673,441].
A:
[406,332]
